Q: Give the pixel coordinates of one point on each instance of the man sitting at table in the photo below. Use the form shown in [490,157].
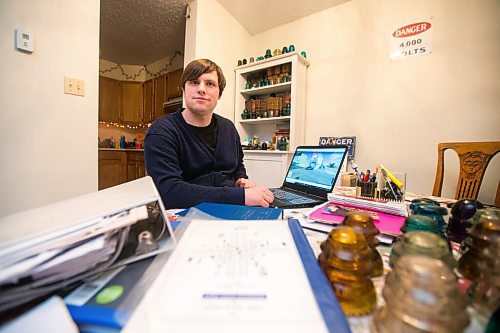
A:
[194,155]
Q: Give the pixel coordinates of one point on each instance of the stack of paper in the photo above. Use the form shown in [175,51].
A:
[390,207]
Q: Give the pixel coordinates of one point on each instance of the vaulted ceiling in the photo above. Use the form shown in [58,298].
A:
[139,32]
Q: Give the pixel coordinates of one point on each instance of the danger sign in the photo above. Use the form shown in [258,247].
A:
[411,40]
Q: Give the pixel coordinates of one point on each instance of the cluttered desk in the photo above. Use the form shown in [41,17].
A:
[330,268]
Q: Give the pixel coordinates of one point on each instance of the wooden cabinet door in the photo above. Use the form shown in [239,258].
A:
[109,99]
[135,165]
[148,103]
[131,105]
[131,168]
[141,169]
[112,168]
[174,89]
[160,95]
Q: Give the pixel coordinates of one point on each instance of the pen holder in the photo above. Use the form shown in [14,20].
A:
[348,179]
[366,189]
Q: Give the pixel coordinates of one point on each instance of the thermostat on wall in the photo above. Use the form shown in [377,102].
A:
[24,40]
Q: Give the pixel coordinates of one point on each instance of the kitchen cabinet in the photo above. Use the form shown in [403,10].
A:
[112,168]
[135,165]
[160,95]
[109,100]
[265,88]
[155,94]
[174,87]
[131,102]
[148,112]
[120,166]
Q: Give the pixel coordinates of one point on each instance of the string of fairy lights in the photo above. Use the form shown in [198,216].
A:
[128,126]
[144,68]
[133,77]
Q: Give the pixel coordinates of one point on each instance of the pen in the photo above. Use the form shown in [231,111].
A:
[355,168]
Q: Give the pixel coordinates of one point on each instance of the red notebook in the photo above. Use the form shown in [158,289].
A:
[386,223]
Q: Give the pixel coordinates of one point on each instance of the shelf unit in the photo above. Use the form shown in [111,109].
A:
[268,168]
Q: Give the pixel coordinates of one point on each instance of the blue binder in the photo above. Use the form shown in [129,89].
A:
[332,313]
[237,212]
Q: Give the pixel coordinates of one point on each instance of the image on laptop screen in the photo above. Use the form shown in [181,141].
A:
[315,167]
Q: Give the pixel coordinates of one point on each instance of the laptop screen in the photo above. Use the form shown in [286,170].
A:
[315,169]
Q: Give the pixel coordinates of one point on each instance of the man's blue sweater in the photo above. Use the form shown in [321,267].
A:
[184,169]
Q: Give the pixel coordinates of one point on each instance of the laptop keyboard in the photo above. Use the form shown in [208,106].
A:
[290,197]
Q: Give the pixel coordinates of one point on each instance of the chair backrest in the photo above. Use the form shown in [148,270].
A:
[474,158]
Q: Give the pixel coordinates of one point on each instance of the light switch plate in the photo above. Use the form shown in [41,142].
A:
[74,86]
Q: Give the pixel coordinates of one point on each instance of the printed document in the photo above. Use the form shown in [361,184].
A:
[231,276]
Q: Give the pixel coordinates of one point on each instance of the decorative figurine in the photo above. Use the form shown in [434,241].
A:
[288,109]
[419,201]
[461,212]
[425,244]
[421,295]
[346,260]
[364,224]
[481,249]
[421,223]
[282,144]
[484,292]
[434,212]
[485,214]
[245,114]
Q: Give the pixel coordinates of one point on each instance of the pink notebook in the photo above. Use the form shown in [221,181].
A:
[386,223]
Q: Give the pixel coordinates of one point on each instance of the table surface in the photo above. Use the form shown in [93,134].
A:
[362,324]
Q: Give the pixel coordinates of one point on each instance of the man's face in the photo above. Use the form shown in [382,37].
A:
[201,94]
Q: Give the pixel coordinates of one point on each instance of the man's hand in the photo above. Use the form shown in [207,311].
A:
[258,196]
[243,182]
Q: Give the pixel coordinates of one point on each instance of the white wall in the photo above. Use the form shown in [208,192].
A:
[398,110]
[220,38]
[49,139]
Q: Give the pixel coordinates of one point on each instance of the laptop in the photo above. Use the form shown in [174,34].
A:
[310,176]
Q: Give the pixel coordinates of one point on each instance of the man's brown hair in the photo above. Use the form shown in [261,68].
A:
[198,67]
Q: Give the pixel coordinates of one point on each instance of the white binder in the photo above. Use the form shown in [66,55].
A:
[47,248]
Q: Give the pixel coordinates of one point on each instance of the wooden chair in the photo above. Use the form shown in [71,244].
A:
[474,158]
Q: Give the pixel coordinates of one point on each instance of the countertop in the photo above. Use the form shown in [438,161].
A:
[121,149]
